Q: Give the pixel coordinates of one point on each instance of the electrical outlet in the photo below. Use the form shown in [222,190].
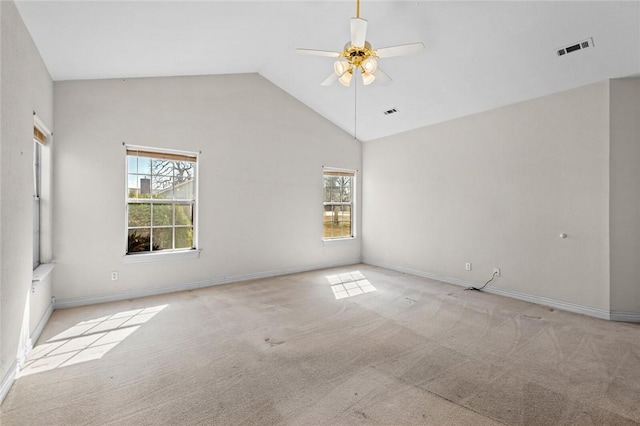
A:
[467,266]
[496,272]
[114,276]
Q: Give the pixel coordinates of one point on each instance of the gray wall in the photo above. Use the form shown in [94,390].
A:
[497,189]
[260,180]
[625,195]
[25,86]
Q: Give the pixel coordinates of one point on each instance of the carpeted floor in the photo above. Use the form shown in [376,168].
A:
[351,345]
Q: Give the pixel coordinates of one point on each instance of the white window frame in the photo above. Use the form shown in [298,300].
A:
[37,185]
[42,202]
[354,195]
[161,255]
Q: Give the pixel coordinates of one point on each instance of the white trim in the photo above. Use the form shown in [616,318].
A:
[338,169]
[41,126]
[83,301]
[14,369]
[42,271]
[43,321]
[539,300]
[7,380]
[553,303]
[161,256]
[160,150]
[23,354]
[354,204]
[625,316]
[332,240]
[195,202]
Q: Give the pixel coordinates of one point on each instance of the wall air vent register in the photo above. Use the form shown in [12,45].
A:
[584,44]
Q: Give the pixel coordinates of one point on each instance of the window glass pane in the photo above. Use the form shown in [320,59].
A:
[346,194]
[183,180]
[183,170]
[36,233]
[132,164]
[162,187]
[144,183]
[156,226]
[138,186]
[144,165]
[346,218]
[162,178]
[162,214]
[335,194]
[326,193]
[337,221]
[327,231]
[184,237]
[328,213]
[139,214]
[132,185]
[162,238]
[184,190]
[139,240]
[334,221]
[160,167]
[184,214]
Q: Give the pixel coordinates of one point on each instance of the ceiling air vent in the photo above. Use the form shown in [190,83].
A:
[390,111]
[576,46]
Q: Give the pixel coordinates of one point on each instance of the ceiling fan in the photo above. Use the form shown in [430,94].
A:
[358,54]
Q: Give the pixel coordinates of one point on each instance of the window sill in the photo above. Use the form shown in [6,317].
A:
[41,272]
[158,257]
[331,240]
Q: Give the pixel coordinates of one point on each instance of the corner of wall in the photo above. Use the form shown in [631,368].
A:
[624,202]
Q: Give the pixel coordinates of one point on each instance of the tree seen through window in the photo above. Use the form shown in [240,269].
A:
[161,201]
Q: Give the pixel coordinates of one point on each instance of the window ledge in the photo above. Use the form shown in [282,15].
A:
[41,272]
[158,257]
[331,240]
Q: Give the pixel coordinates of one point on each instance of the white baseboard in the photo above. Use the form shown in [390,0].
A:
[7,380]
[43,321]
[625,316]
[14,370]
[553,303]
[83,301]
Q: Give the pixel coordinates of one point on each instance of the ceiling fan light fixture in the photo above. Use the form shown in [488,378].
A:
[341,67]
[359,56]
[345,78]
[367,78]
[369,65]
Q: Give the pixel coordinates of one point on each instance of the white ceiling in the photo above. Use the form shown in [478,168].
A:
[479,55]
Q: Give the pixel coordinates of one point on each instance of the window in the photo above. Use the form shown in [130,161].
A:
[39,139]
[338,203]
[161,200]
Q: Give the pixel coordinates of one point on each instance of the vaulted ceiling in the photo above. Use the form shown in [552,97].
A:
[478,55]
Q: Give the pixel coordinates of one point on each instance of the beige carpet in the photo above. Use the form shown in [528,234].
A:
[329,347]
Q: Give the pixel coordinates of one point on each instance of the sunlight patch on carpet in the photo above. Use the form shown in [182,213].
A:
[87,341]
[349,284]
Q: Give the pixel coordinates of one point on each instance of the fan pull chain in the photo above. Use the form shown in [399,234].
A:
[355,110]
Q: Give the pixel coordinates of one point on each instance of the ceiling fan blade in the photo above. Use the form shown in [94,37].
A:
[404,49]
[330,80]
[314,52]
[358,32]
[381,78]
